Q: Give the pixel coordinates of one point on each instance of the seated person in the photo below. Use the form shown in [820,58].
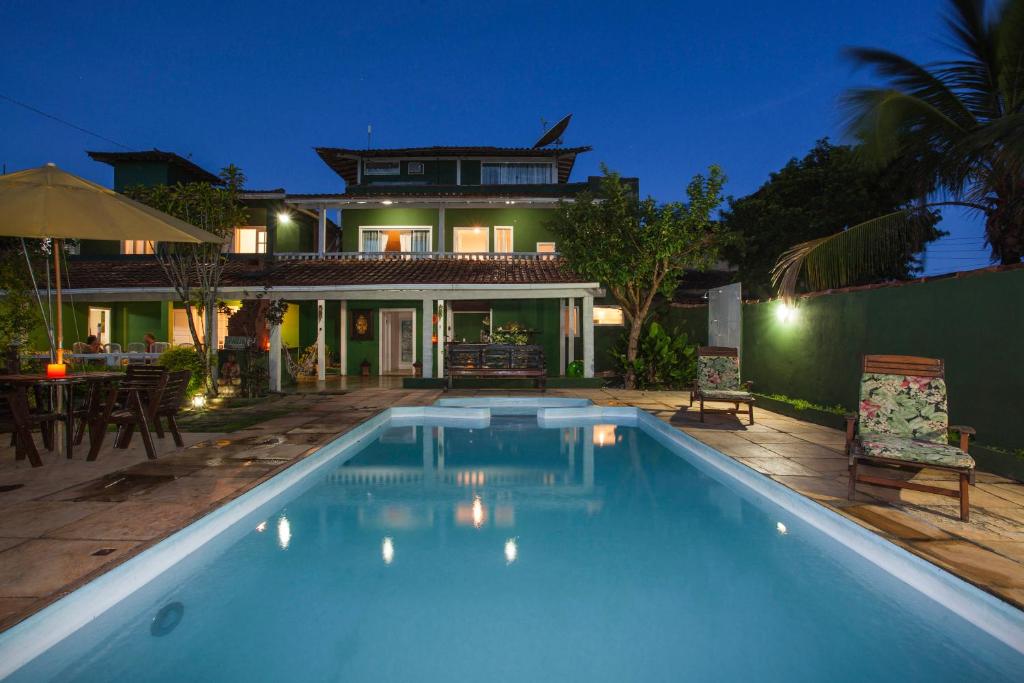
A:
[148,339]
[230,372]
[93,345]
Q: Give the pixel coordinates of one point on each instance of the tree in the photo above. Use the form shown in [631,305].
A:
[19,309]
[638,248]
[828,189]
[958,127]
[195,270]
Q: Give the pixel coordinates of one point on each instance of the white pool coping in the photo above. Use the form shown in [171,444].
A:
[35,635]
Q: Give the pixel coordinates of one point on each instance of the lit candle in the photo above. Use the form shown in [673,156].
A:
[56,370]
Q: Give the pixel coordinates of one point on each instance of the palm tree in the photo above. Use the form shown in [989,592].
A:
[958,128]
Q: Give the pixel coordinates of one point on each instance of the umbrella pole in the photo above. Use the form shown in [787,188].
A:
[57,245]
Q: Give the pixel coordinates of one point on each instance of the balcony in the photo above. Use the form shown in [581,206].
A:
[415,255]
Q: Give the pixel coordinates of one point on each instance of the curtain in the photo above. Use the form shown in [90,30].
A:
[372,241]
[515,174]
[405,241]
[420,240]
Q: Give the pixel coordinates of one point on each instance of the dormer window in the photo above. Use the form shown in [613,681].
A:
[516,173]
[382,168]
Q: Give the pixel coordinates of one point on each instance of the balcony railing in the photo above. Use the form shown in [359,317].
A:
[414,255]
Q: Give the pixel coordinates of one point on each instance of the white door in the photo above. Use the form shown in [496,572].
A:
[397,340]
[99,323]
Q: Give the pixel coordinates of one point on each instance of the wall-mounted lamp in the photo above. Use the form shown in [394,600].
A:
[786,313]
[284,218]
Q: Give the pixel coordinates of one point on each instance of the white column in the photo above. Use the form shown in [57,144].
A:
[440,230]
[274,359]
[561,336]
[588,336]
[343,342]
[442,316]
[322,243]
[428,332]
[571,332]
[321,342]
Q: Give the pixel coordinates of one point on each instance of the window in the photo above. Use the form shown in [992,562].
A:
[545,247]
[251,240]
[471,240]
[503,173]
[394,238]
[382,168]
[415,168]
[137,247]
[503,239]
[608,315]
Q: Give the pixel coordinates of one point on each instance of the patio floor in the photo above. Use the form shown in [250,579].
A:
[67,522]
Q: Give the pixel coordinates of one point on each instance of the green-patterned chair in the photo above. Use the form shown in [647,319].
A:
[718,380]
[902,422]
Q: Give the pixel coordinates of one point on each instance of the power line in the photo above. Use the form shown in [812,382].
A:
[60,120]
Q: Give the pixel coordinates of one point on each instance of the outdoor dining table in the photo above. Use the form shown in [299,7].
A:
[95,381]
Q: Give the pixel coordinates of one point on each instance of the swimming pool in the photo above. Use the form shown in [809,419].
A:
[558,542]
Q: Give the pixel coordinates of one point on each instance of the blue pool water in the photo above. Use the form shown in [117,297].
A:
[514,552]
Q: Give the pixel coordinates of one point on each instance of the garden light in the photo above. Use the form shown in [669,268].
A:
[786,313]
[198,401]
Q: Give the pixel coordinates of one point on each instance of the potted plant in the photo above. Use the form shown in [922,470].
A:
[417,369]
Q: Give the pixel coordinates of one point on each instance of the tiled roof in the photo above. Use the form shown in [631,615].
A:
[144,273]
[157,155]
[345,162]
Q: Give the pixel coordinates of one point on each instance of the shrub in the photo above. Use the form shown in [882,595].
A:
[663,360]
[186,358]
[511,333]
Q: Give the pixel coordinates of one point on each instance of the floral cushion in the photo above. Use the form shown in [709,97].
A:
[904,405]
[727,394]
[913,450]
[718,372]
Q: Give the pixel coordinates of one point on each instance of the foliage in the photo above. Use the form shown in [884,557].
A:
[512,333]
[809,198]
[801,404]
[957,128]
[663,360]
[195,270]
[255,374]
[185,358]
[574,369]
[637,248]
[19,311]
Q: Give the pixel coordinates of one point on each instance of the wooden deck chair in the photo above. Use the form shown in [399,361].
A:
[130,405]
[718,379]
[902,422]
[170,403]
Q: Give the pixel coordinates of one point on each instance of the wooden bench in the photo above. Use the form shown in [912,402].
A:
[496,361]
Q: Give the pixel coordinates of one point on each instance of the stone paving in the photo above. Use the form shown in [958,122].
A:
[63,524]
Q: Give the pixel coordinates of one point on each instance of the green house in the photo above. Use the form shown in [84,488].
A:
[422,247]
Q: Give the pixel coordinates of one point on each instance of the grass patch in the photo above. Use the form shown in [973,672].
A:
[233,414]
[801,404]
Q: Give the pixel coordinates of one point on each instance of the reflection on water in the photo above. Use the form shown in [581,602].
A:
[387,550]
[511,550]
[284,532]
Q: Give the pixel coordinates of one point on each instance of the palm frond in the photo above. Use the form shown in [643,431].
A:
[845,257]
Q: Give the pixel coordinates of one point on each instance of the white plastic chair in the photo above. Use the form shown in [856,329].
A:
[158,347]
[113,347]
[137,347]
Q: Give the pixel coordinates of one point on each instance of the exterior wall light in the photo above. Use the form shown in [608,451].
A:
[387,202]
[786,313]
[284,218]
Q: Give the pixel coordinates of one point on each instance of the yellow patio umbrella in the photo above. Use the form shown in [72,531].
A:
[47,202]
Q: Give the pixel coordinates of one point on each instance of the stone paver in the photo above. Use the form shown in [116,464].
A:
[56,518]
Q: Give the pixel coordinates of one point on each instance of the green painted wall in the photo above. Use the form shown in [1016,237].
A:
[436,172]
[540,315]
[528,224]
[353,218]
[974,323]
[129,321]
[370,350]
[467,326]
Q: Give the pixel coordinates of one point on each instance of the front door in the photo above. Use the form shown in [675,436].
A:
[397,340]
[99,323]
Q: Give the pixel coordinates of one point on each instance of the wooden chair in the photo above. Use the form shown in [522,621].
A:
[718,379]
[170,403]
[130,405]
[902,423]
[18,420]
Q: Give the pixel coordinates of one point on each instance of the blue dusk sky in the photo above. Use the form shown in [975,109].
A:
[660,90]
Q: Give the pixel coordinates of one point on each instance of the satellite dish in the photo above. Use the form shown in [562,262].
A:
[554,134]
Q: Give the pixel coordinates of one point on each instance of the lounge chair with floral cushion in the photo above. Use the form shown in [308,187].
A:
[718,379]
[902,422]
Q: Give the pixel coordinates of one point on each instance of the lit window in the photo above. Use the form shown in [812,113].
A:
[471,240]
[513,173]
[382,168]
[608,315]
[396,238]
[251,240]
[545,247]
[503,239]
[571,320]
[137,247]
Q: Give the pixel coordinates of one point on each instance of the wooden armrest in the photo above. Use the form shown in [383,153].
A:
[965,435]
[851,429]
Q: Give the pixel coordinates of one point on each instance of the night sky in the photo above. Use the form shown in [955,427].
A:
[660,90]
